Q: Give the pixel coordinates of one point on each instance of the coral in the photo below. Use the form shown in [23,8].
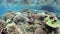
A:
[2,25]
[13,29]
[39,31]
[18,19]
[11,2]
[29,22]
[8,15]
[25,2]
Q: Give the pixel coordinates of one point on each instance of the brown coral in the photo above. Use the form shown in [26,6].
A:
[2,25]
[40,31]
[13,29]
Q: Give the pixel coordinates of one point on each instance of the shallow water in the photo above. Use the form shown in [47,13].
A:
[21,19]
[15,6]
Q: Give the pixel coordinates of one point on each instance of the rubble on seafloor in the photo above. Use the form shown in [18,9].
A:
[26,22]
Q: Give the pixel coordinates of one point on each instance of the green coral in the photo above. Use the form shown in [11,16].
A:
[49,22]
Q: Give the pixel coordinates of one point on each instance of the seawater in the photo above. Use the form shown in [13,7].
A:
[16,7]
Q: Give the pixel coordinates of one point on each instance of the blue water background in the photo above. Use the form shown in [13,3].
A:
[4,8]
